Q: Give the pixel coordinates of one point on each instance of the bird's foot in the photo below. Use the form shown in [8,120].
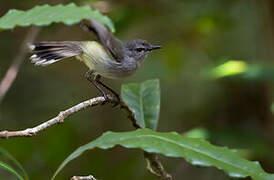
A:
[107,99]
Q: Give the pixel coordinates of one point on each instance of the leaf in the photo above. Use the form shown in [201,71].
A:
[241,70]
[194,150]
[11,170]
[44,15]
[143,99]
[229,68]
[12,159]
[200,133]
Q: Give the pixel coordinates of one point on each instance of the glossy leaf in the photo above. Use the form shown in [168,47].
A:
[46,14]
[194,150]
[143,99]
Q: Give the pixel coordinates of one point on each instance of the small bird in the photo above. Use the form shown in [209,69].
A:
[108,57]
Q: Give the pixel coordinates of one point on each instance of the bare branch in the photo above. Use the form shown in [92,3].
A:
[62,116]
[58,119]
[12,72]
[155,166]
[90,177]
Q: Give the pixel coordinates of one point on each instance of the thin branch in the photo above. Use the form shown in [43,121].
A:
[130,116]
[58,119]
[155,166]
[62,116]
[12,72]
[90,177]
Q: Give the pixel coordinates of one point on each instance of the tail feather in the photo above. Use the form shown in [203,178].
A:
[45,53]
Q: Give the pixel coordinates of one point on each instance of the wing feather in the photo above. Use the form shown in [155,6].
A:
[107,39]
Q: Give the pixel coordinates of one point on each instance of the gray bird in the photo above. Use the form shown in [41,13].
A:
[108,57]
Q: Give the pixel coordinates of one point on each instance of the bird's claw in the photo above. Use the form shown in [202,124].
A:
[107,100]
[115,102]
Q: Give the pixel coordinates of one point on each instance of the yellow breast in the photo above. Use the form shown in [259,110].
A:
[94,55]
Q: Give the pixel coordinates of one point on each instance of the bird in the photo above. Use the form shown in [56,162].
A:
[107,57]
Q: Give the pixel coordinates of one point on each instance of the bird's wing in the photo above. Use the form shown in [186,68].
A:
[107,39]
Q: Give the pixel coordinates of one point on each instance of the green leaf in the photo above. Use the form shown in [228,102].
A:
[143,99]
[46,14]
[241,70]
[194,150]
[200,133]
[16,163]
[229,68]
[10,169]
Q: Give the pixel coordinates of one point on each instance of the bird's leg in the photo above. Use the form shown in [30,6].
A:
[97,79]
[89,75]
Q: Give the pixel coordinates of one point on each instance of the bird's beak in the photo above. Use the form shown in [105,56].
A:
[153,47]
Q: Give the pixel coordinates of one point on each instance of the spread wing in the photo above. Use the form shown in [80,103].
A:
[107,39]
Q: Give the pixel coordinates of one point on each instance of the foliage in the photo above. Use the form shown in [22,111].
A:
[194,150]
[45,15]
[7,167]
[242,70]
[10,169]
[144,100]
[229,68]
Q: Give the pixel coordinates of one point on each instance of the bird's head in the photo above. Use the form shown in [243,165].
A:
[139,49]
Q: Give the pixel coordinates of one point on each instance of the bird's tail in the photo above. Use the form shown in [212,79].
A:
[45,53]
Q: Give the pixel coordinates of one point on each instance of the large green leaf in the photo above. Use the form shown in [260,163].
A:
[194,150]
[143,99]
[45,15]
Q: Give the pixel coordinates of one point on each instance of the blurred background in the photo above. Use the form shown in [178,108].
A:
[227,102]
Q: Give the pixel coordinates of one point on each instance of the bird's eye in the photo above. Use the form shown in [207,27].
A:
[140,49]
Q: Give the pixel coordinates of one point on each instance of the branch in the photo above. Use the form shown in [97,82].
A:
[90,177]
[58,119]
[130,116]
[63,115]
[12,72]
[154,166]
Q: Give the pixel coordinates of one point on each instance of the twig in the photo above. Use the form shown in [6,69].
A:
[12,72]
[90,177]
[130,116]
[155,166]
[62,116]
[58,119]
